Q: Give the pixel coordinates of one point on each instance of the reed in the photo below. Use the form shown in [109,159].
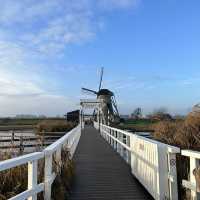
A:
[54,126]
[14,181]
[186,135]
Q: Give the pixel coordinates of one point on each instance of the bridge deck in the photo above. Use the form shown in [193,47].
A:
[100,172]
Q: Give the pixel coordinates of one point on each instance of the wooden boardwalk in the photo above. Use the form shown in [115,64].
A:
[101,174]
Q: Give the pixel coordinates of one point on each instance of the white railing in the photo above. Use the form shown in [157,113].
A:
[119,140]
[70,141]
[152,163]
[192,183]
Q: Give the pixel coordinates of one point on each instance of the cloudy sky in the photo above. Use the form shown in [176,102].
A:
[49,49]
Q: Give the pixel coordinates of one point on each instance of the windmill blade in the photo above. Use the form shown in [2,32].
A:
[88,91]
[101,78]
[114,102]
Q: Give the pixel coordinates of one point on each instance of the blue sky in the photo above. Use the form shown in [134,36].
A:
[49,49]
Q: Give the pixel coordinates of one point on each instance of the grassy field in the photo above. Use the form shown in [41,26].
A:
[35,121]
[143,125]
[21,124]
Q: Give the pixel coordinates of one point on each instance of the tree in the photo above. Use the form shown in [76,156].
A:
[137,113]
[161,110]
[160,114]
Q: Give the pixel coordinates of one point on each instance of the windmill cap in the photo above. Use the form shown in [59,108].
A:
[105,92]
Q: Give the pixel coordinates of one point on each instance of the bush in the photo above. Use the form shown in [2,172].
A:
[166,132]
[185,134]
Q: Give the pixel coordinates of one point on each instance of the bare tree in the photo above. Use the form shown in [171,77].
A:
[137,113]
[161,110]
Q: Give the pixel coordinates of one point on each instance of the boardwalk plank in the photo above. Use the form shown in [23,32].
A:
[101,174]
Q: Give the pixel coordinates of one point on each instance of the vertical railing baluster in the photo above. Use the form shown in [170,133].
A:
[32,177]
[58,159]
[194,163]
[48,176]
[173,172]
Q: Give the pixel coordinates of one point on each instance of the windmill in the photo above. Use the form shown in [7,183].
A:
[108,108]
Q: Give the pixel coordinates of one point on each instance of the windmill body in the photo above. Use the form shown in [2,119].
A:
[106,108]
[107,112]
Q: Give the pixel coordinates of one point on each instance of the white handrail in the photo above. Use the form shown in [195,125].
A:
[15,162]
[70,140]
[118,139]
[152,162]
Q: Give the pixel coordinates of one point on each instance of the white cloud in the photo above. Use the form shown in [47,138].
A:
[32,30]
[12,85]
[48,26]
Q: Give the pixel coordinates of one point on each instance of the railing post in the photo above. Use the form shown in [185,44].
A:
[48,176]
[173,185]
[58,159]
[32,177]
[122,148]
[194,163]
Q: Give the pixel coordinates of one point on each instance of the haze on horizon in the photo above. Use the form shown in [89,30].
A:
[49,49]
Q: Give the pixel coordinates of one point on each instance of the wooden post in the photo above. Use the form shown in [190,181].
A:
[32,177]
[13,138]
[42,138]
[21,147]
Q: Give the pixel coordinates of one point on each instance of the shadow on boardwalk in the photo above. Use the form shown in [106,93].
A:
[101,173]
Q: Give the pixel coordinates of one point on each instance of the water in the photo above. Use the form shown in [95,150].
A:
[18,133]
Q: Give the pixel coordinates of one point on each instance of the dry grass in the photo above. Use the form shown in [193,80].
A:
[54,126]
[14,181]
[185,134]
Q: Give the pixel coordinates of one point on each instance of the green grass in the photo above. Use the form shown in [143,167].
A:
[21,124]
[138,122]
[14,121]
[145,125]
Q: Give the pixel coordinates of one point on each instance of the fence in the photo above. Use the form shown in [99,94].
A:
[26,142]
[152,163]
[192,183]
[69,140]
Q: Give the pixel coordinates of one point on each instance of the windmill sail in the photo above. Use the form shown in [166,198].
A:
[101,78]
[88,91]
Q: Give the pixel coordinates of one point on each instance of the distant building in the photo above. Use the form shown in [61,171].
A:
[73,116]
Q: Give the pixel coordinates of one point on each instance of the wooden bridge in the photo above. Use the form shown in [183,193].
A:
[110,164]
[101,173]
